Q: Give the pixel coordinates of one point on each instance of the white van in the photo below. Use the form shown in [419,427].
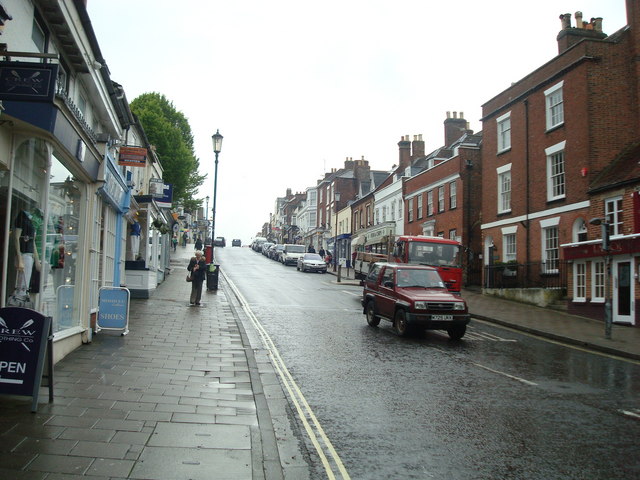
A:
[291,253]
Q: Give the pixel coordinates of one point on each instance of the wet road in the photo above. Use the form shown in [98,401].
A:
[497,404]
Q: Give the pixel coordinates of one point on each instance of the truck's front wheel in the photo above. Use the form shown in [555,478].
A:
[400,324]
[457,332]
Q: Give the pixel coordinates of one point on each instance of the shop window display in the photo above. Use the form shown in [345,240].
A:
[44,235]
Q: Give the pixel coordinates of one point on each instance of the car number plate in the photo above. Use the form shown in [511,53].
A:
[442,317]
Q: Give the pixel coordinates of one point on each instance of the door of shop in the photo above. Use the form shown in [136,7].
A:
[623,292]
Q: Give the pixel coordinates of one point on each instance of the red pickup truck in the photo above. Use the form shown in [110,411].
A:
[413,297]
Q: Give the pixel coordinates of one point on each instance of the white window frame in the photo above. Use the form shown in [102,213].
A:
[580,282]
[554,105]
[393,211]
[613,213]
[419,209]
[546,226]
[503,127]
[430,203]
[410,210]
[598,279]
[453,195]
[504,188]
[556,177]
[429,228]
[509,243]
[579,229]
[441,198]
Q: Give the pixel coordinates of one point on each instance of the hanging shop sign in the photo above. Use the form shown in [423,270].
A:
[156,187]
[113,309]
[24,335]
[166,199]
[27,82]
[132,156]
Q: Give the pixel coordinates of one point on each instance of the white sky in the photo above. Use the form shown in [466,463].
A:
[296,86]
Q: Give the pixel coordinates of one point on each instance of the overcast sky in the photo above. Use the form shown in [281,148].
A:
[296,86]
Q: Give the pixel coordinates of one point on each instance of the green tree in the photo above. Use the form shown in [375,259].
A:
[169,132]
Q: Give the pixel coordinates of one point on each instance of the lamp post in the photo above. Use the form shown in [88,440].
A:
[217,146]
[606,248]
[336,199]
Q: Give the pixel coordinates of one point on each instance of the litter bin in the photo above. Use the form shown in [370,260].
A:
[213,271]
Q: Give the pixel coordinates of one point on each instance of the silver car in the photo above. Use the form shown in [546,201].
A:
[311,262]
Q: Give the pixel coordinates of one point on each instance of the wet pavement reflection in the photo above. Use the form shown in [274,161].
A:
[498,404]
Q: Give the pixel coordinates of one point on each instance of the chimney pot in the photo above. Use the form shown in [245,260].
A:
[565,20]
[597,24]
[448,114]
[579,23]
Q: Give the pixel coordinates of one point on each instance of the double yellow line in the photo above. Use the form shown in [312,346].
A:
[331,462]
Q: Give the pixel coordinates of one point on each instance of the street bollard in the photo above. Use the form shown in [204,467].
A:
[339,273]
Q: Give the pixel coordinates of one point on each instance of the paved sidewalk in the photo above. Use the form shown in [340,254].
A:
[546,322]
[182,396]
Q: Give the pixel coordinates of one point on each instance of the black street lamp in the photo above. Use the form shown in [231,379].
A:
[217,146]
[606,248]
[336,199]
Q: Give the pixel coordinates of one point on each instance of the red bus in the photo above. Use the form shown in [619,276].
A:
[441,253]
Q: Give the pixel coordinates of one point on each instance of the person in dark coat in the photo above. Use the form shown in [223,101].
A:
[198,268]
[311,249]
[198,244]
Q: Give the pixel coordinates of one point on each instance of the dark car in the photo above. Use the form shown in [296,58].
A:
[219,242]
[413,297]
[236,242]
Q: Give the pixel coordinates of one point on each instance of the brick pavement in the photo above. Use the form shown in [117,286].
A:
[180,396]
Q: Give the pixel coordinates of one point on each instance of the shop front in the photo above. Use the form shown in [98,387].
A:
[49,166]
[44,210]
[149,246]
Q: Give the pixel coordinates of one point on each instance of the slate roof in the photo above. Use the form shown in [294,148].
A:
[624,169]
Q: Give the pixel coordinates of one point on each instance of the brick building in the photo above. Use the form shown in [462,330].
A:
[443,193]
[547,139]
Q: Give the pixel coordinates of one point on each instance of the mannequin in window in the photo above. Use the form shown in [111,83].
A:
[135,239]
[25,228]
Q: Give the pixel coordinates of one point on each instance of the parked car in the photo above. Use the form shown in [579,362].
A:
[265,248]
[276,251]
[219,242]
[290,253]
[256,245]
[236,242]
[311,262]
[413,297]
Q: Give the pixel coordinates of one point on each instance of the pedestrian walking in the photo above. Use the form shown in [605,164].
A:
[198,268]
[198,244]
[321,252]
[184,239]
[311,249]
[174,241]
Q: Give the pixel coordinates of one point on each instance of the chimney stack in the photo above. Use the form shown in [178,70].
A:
[569,36]
[417,147]
[404,147]
[454,128]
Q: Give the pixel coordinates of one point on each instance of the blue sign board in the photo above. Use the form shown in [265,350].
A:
[113,309]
